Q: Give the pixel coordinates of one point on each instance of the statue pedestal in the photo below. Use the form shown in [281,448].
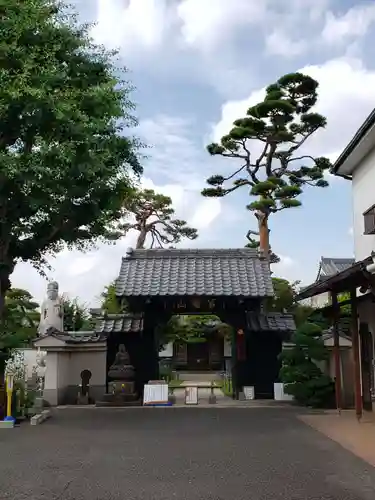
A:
[121,385]
[123,388]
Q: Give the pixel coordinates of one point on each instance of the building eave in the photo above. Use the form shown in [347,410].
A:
[341,282]
[357,149]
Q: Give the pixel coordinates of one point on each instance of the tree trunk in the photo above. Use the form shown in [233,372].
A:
[141,239]
[264,239]
[4,287]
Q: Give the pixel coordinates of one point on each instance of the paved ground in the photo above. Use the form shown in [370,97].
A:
[357,437]
[184,454]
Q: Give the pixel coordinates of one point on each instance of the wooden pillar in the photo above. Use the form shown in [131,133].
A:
[356,354]
[336,349]
[235,392]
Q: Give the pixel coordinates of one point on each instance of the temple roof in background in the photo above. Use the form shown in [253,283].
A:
[202,272]
[329,266]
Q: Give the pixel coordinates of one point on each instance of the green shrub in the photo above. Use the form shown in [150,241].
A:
[300,372]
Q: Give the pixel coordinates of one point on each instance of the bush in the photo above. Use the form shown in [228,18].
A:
[300,372]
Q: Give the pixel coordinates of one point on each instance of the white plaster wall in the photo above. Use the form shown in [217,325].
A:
[63,369]
[363,193]
[167,352]
[95,361]
[50,381]
[320,300]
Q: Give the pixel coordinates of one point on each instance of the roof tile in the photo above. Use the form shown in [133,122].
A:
[217,272]
[275,322]
[126,323]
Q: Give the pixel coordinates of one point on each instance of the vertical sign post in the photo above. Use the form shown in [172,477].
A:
[9,388]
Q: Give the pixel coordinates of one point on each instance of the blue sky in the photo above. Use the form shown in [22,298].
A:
[197,65]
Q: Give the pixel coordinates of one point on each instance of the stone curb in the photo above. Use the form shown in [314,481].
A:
[40,417]
[6,424]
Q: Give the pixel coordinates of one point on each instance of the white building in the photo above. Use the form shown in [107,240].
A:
[357,164]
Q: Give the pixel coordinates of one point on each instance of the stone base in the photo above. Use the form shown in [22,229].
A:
[121,387]
[40,417]
[116,403]
[6,424]
[119,400]
[212,399]
[83,399]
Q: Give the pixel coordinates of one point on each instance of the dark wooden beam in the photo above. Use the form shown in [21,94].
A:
[356,355]
[336,349]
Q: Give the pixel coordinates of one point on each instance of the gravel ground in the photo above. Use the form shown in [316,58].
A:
[187,454]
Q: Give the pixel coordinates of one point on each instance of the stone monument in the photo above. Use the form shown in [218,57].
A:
[121,385]
[52,310]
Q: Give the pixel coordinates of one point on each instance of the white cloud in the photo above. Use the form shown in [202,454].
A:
[350,231]
[141,22]
[206,24]
[345,98]
[278,43]
[353,23]
[288,268]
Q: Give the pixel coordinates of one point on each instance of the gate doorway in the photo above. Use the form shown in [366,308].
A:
[198,356]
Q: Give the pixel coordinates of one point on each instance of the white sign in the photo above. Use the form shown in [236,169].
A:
[280,394]
[249,392]
[191,395]
[10,380]
[155,394]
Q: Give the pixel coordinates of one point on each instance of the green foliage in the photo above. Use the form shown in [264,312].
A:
[285,300]
[110,303]
[153,215]
[281,124]
[66,161]
[20,322]
[76,315]
[300,372]
[192,329]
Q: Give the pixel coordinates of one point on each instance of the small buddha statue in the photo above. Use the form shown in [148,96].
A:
[121,369]
[121,385]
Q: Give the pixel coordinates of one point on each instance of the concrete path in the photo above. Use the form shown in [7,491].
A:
[176,453]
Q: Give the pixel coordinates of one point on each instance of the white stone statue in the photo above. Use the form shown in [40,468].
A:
[40,369]
[52,310]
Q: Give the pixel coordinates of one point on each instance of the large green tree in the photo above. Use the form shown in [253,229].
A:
[66,161]
[20,320]
[154,219]
[269,145]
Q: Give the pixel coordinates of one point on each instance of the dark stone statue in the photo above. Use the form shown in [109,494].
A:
[121,385]
[121,368]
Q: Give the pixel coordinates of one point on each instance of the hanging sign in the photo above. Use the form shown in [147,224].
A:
[191,395]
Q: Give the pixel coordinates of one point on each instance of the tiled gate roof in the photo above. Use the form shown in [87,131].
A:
[202,272]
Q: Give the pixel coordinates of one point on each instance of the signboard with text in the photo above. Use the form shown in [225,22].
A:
[191,395]
[155,393]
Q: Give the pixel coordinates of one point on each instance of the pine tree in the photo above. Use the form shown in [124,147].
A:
[300,373]
[278,126]
[153,214]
